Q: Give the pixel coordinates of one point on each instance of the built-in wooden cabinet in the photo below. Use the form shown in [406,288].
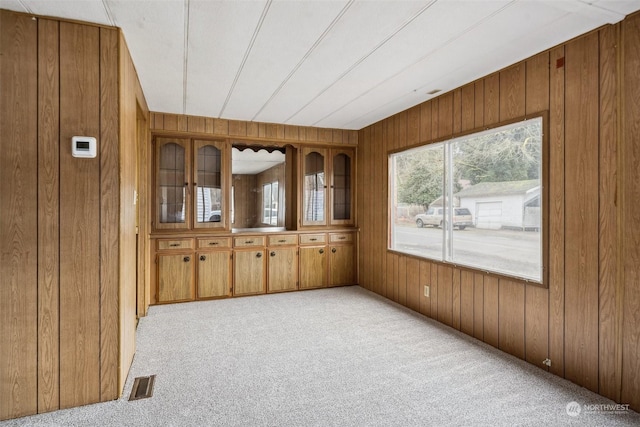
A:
[249,265]
[221,266]
[175,268]
[198,199]
[342,262]
[313,261]
[327,183]
[282,263]
[190,184]
[214,268]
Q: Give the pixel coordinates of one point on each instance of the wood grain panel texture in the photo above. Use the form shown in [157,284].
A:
[68,80]
[79,218]
[402,280]
[491,311]
[466,302]
[445,295]
[109,214]
[609,352]
[511,307]
[48,215]
[630,215]
[252,130]
[556,210]
[413,284]
[536,315]
[581,200]
[19,225]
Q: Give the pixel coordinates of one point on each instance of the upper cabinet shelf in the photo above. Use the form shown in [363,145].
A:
[196,188]
[190,184]
[327,185]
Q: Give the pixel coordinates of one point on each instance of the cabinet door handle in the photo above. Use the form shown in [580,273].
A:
[313,239]
[186,259]
[173,245]
[321,251]
[259,255]
[213,243]
[341,238]
[248,242]
[203,258]
[282,241]
[333,250]
[272,253]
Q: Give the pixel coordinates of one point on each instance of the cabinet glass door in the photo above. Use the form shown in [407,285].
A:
[172,183]
[341,189]
[209,208]
[314,187]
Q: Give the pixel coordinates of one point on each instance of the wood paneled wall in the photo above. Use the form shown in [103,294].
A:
[134,192]
[177,123]
[588,319]
[60,296]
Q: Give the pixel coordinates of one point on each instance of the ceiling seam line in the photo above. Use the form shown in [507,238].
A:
[305,57]
[107,10]
[422,58]
[246,56]
[27,8]
[185,64]
[359,61]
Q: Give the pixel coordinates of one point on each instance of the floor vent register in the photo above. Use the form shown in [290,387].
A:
[142,388]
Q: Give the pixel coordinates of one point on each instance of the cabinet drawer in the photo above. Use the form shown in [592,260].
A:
[173,244]
[248,241]
[312,239]
[289,239]
[340,237]
[214,242]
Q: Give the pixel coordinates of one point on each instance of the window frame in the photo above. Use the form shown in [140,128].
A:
[544,196]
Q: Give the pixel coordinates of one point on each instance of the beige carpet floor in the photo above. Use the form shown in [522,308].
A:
[329,357]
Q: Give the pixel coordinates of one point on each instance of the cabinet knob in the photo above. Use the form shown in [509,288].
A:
[333,250]
[186,259]
[259,255]
[272,253]
[321,251]
[203,258]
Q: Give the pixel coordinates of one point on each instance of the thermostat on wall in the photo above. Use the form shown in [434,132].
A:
[83,146]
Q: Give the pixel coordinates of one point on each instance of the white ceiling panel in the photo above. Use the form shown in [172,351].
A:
[219,33]
[330,63]
[81,10]
[438,27]
[363,27]
[466,50]
[154,31]
[14,5]
[276,54]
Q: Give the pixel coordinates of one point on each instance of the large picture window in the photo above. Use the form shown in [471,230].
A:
[476,200]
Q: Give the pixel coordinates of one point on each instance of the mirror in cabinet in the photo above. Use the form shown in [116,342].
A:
[190,184]
[258,187]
